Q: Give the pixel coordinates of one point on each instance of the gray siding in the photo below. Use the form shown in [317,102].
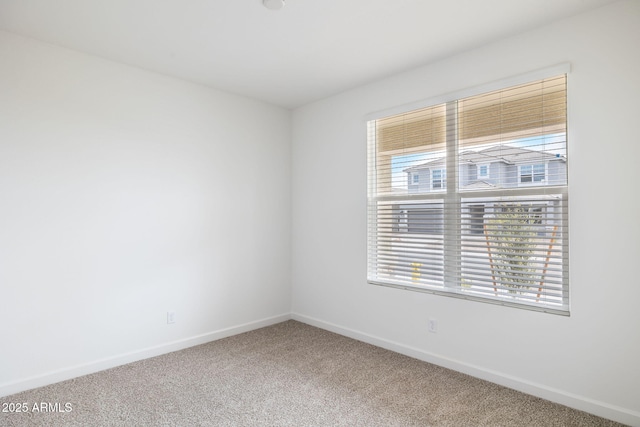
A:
[500,175]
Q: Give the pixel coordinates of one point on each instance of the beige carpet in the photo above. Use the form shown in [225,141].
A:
[289,374]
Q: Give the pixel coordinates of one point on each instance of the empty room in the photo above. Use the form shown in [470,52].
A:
[319,213]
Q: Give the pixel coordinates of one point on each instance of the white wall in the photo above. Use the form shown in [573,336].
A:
[125,194]
[588,360]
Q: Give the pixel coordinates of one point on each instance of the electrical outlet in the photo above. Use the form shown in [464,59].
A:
[433,326]
[171,317]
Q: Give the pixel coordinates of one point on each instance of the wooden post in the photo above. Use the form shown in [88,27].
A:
[546,262]
[493,276]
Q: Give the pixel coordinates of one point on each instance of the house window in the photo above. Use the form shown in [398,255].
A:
[438,181]
[483,171]
[532,173]
[415,178]
[500,241]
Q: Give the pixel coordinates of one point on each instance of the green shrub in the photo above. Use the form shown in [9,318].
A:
[510,234]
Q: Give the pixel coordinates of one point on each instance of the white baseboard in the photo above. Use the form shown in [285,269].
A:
[122,359]
[582,403]
[571,400]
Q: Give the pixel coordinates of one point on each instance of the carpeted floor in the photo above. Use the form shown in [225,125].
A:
[289,374]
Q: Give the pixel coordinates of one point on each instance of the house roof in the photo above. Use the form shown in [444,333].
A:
[479,185]
[500,153]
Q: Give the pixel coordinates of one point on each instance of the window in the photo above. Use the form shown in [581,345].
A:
[438,179]
[483,171]
[532,173]
[502,240]
[415,178]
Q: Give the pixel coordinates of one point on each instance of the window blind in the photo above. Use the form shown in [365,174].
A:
[469,198]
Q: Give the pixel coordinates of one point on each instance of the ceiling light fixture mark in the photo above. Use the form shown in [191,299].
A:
[273,4]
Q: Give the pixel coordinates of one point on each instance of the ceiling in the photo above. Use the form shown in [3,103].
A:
[306,51]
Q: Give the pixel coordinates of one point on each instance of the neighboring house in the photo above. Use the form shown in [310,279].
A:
[494,167]
[487,169]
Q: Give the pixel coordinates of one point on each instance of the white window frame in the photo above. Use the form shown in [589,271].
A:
[455,287]
[479,167]
[442,179]
[533,182]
